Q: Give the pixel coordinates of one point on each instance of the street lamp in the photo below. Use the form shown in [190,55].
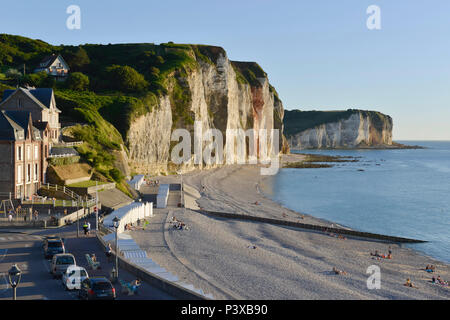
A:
[78,218]
[116,222]
[14,275]
[182,191]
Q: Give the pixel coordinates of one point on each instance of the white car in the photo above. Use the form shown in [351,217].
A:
[73,277]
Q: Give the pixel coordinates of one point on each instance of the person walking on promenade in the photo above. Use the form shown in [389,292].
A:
[88,227]
[85,228]
[108,252]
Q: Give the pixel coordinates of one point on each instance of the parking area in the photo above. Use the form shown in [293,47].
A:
[37,283]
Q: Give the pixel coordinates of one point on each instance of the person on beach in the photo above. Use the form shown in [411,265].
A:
[409,283]
[340,272]
[376,254]
[429,269]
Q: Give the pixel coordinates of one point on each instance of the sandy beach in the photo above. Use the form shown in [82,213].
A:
[248,260]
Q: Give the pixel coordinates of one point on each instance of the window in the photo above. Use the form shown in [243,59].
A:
[19,173]
[19,153]
[35,172]
[29,173]
[19,103]
[28,152]
[36,152]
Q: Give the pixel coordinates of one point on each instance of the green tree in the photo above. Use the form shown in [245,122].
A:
[77,59]
[125,78]
[13,74]
[40,79]
[78,81]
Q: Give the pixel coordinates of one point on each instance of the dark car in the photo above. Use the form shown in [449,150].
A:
[98,288]
[49,238]
[52,247]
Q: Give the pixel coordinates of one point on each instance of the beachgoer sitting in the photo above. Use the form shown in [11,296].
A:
[93,257]
[429,269]
[376,254]
[256,203]
[337,271]
[440,281]
[409,283]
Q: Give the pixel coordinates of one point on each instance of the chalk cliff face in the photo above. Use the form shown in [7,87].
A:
[219,98]
[354,129]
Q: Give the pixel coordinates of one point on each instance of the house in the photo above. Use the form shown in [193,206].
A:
[23,147]
[39,102]
[54,65]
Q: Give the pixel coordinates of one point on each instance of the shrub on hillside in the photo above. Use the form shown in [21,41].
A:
[38,80]
[78,81]
[125,78]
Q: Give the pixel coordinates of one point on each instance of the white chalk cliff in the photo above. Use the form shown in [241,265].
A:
[218,99]
[360,129]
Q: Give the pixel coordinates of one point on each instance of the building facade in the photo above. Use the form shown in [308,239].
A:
[39,102]
[23,158]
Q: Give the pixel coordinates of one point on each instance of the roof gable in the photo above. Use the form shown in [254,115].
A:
[49,60]
[42,96]
[9,129]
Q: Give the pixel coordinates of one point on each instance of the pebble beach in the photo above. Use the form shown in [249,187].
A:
[237,259]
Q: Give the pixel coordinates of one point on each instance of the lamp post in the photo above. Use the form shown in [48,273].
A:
[182,191]
[14,275]
[96,206]
[78,219]
[116,222]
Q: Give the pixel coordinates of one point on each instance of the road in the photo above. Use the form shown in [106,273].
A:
[25,249]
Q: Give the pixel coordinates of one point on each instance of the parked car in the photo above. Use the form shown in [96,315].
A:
[98,288]
[52,247]
[60,263]
[73,277]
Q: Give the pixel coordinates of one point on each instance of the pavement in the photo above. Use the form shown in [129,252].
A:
[114,198]
[25,249]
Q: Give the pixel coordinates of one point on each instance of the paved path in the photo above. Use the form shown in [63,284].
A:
[37,283]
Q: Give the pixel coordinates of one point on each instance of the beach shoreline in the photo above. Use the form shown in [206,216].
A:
[250,260]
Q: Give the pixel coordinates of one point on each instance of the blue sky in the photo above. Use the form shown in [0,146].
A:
[318,54]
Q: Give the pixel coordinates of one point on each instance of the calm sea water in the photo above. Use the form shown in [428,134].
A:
[400,192]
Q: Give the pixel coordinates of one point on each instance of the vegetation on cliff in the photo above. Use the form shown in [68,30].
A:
[110,86]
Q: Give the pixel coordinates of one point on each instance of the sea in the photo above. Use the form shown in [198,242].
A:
[404,192]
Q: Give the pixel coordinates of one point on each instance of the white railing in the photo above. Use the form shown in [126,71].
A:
[64,155]
[129,214]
